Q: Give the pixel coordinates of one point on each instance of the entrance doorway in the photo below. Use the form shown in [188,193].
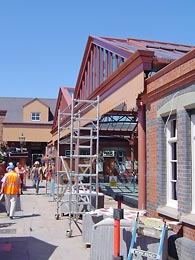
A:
[36,157]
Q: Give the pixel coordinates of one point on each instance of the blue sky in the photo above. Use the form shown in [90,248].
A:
[42,41]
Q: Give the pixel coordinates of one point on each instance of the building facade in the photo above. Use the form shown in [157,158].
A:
[170,112]
[25,127]
[154,82]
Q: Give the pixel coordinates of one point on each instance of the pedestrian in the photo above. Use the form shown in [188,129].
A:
[37,175]
[10,163]
[11,189]
[134,180]
[19,169]
[51,175]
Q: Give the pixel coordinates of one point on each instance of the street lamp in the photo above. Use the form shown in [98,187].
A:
[22,141]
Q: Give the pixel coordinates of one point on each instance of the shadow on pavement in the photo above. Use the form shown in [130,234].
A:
[26,248]
[31,187]
[27,216]
[3,225]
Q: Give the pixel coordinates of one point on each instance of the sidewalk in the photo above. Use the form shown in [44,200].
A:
[35,234]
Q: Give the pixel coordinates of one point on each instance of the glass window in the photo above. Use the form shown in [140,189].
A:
[193,161]
[104,64]
[92,72]
[84,152]
[35,116]
[113,62]
[109,57]
[71,92]
[120,61]
[172,163]
[97,67]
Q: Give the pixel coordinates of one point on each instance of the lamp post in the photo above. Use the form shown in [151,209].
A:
[22,141]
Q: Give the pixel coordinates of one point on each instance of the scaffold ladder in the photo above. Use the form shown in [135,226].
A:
[161,228]
[84,147]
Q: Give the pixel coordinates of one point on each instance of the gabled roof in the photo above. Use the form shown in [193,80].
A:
[14,107]
[35,99]
[133,57]
[163,53]
[63,101]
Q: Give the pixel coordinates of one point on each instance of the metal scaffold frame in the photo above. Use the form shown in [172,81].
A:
[80,123]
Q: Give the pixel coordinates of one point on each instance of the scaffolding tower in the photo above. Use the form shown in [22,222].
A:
[78,127]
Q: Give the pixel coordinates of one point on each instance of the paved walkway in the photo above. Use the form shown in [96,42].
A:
[35,234]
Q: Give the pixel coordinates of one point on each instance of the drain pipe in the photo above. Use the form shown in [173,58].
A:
[141,155]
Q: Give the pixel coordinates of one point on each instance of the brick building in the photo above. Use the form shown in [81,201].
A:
[155,80]
[170,143]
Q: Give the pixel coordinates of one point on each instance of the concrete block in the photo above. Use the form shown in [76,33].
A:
[185,248]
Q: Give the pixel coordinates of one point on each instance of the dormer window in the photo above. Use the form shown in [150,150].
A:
[35,116]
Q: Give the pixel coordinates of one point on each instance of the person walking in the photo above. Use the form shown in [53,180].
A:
[21,171]
[11,188]
[134,180]
[37,175]
[51,173]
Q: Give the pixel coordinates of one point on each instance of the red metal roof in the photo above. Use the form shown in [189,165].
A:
[161,49]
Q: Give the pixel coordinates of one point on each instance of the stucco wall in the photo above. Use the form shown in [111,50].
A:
[35,106]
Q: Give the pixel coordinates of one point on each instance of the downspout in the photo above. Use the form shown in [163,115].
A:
[141,154]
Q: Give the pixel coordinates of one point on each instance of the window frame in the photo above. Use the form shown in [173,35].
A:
[37,116]
[172,163]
